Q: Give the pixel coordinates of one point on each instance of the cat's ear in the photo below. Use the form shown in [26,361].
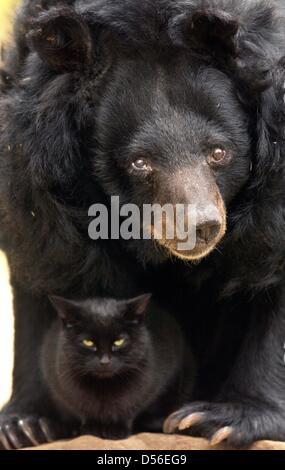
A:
[62,39]
[211,30]
[67,310]
[137,307]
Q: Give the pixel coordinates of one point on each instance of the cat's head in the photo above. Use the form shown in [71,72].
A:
[105,337]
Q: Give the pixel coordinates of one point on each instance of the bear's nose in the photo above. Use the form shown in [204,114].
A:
[207,231]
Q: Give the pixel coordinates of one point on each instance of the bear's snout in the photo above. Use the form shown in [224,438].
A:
[200,214]
[207,231]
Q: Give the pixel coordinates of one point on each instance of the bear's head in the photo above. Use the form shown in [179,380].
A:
[169,95]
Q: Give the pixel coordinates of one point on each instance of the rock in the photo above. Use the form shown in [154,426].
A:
[268,445]
[148,442]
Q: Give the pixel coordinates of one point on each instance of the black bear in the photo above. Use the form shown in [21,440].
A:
[155,101]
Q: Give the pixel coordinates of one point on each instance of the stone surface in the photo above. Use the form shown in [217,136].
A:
[146,442]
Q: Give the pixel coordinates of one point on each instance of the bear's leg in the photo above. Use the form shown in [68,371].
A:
[27,420]
[251,404]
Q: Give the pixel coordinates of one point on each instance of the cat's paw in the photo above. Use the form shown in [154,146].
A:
[234,424]
[17,432]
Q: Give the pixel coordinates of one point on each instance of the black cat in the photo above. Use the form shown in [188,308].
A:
[111,367]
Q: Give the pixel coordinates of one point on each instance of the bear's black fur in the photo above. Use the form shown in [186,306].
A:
[89,85]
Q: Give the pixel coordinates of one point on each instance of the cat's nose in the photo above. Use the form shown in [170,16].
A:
[105,360]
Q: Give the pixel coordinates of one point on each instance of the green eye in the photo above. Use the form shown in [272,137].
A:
[119,342]
[88,343]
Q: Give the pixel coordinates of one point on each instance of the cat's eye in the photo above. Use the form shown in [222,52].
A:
[119,343]
[88,343]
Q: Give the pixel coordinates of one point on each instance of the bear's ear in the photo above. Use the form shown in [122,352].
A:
[62,39]
[211,31]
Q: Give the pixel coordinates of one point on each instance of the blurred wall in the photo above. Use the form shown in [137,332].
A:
[7,8]
[6,332]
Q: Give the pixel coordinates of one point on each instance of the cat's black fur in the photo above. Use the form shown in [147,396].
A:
[178,76]
[110,390]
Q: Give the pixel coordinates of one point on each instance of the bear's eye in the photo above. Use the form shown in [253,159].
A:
[88,343]
[218,156]
[141,165]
